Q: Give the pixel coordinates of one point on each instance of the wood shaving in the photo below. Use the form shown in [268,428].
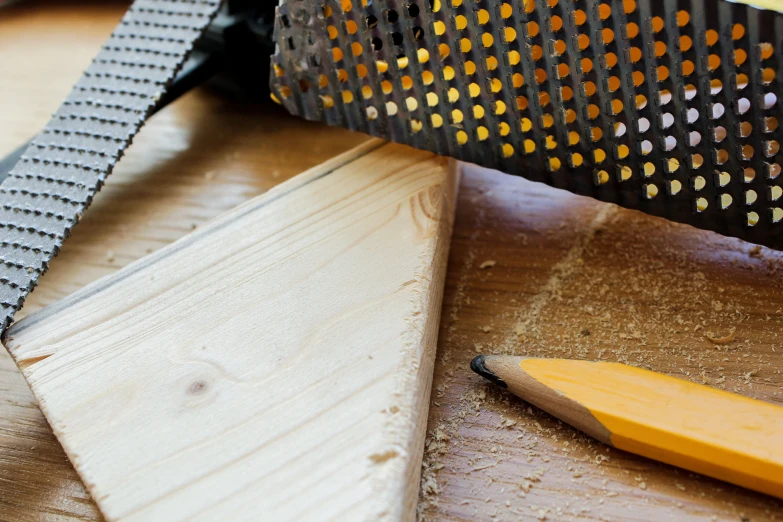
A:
[726,339]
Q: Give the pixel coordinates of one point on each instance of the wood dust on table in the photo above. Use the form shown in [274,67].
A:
[540,272]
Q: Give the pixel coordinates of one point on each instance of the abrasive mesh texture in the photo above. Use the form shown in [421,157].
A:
[666,106]
[46,193]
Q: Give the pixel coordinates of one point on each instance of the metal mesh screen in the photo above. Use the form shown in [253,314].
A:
[671,107]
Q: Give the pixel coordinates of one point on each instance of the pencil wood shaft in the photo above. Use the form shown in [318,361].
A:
[703,429]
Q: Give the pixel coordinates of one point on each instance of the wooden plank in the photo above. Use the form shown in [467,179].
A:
[195,160]
[275,363]
[130,218]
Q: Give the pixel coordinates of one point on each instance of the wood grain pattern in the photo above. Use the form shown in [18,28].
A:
[205,155]
[274,364]
[575,278]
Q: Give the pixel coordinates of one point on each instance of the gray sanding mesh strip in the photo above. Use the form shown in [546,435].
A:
[47,192]
[671,107]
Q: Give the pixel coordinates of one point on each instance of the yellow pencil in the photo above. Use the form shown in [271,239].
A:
[717,433]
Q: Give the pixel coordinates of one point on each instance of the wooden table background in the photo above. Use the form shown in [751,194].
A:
[569,277]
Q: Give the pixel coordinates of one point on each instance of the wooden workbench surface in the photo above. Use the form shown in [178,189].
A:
[532,271]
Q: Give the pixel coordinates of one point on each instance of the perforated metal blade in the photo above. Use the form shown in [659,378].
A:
[666,106]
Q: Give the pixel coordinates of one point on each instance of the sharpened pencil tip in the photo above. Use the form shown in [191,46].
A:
[479,366]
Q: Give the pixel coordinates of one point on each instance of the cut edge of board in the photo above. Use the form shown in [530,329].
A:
[411,431]
[405,434]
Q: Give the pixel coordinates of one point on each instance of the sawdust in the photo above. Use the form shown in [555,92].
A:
[629,288]
[561,272]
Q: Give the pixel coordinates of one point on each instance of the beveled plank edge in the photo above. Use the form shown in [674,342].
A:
[418,364]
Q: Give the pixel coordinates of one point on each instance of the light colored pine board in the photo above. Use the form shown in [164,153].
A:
[276,363]
[195,160]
